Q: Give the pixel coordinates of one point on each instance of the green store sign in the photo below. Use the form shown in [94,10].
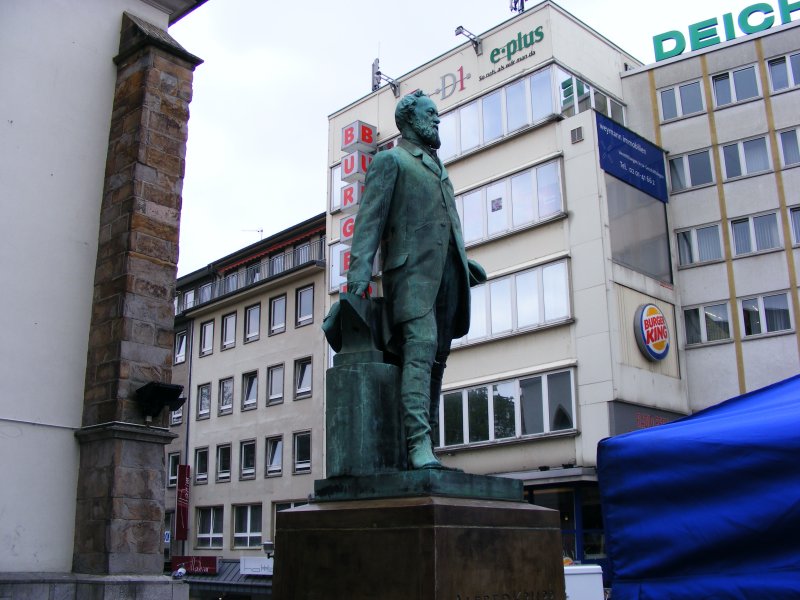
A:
[751,19]
[522,42]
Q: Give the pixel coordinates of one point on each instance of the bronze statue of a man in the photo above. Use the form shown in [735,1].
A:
[408,208]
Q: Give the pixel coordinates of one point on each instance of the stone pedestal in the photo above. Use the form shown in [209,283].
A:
[425,548]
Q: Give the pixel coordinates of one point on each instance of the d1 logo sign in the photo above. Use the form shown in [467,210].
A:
[651,332]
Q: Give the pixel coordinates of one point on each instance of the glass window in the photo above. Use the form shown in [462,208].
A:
[274,456]
[497,215]
[741,236]
[228,331]
[209,527]
[778,74]
[722,89]
[477,327]
[203,400]
[669,106]
[448,134]
[700,168]
[473,216]
[776,309]
[523,208]
[470,129]
[180,347]
[176,416]
[201,465]
[791,152]
[677,174]
[685,256]
[504,411]
[247,526]
[708,243]
[305,306]
[584,95]
[751,317]
[223,462]
[188,299]
[566,90]
[173,460]
[454,419]
[501,310]
[755,155]
[275,384]
[601,102]
[492,117]
[302,452]
[206,338]
[302,378]
[250,390]
[527,297]
[548,188]
[766,314]
[795,216]
[755,234]
[706,323]
[745,84]
[532,405]
[556,296]
[559,400]
[252,323]
[691,318]
[691,98]
[277,315]
[617,112]
[205,293]
[225,395]
[542,94]
[247,459]
[517,105]
[766,231]
[733,167]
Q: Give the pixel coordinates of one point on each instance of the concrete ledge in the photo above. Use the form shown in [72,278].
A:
[79,586]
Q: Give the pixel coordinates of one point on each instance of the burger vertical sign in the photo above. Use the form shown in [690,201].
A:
[651,332]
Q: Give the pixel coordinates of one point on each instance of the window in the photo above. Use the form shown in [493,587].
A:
[755,234]
[201,465]
[253,274]
[690,170]
[508,410]
[205,293]
[176,416]
[206,338]
[681,100]
[302,253]
[525,198]
[765,314]
[228,331]
[252,323]
[231,282]
[223,462]
[304,306]
[707,323]
[277,315]
[745,158]
[188,299]
[173,460]
[247,526]
[795,216]
[225,400]
[275,384]
[302,452]
[700,244]
[784,72]
[521,301]
[789,147]
[180,347]
[203,401]
[250,390]
[209,527]
[274,457]
[735,86]
[302,378]
[247,459]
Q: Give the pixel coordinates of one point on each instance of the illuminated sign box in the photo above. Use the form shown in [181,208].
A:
[346,228]
[351,196]
[344,261]
[359,136]
[355,165]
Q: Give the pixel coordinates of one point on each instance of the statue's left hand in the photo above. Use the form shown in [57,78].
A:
[477,274]
[358,288]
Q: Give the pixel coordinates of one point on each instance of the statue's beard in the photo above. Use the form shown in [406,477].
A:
[428,134]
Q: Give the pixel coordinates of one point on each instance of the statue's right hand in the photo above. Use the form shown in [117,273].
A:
[358,288]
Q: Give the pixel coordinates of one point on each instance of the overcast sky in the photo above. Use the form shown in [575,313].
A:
[274,71]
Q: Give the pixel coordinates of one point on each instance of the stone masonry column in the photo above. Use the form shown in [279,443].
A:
[120,497]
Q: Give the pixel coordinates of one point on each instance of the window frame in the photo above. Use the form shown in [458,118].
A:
[249,311]
[222,475]
[206,346]
[203,414]
[269,443]
[782,147]
[300,467]
[273,302]
[695,245]
[247,447]
[702,323]
[762,315]
[301,320]
[752,237]
[273,399]
[301,393]
[250,535]
[518,408]
[227,338]
[200,477]
[676,94]
[176,416]
[687,172]
[181,339]
[732,89]
[216,521]
[794,218]
[742,158]
[246,378]
[792,77]
[225,409]
[173,462]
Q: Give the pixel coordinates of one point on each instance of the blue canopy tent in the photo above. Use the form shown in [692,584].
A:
[707,506]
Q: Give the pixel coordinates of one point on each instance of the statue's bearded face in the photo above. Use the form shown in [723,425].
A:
[425,122]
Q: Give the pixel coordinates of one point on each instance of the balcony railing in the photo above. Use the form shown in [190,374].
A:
[242,278]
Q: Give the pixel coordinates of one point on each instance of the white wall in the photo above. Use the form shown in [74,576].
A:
[58,86]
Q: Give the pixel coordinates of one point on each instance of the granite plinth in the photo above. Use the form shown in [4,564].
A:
[425,548]
[425,482]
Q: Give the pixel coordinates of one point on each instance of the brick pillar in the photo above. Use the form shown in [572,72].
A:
[120,499]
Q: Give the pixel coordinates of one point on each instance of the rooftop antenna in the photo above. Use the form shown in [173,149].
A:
[377,77]
[259,231]
[518,6]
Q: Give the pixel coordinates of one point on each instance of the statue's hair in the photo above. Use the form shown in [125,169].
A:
[404,112]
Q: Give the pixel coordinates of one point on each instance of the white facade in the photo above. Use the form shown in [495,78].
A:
[58,87]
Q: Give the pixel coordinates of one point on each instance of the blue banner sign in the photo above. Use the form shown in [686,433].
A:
[631,158]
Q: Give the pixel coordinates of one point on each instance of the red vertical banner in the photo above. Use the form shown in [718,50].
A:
[182,503]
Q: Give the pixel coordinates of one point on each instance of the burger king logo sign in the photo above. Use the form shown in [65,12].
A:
[650,329]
